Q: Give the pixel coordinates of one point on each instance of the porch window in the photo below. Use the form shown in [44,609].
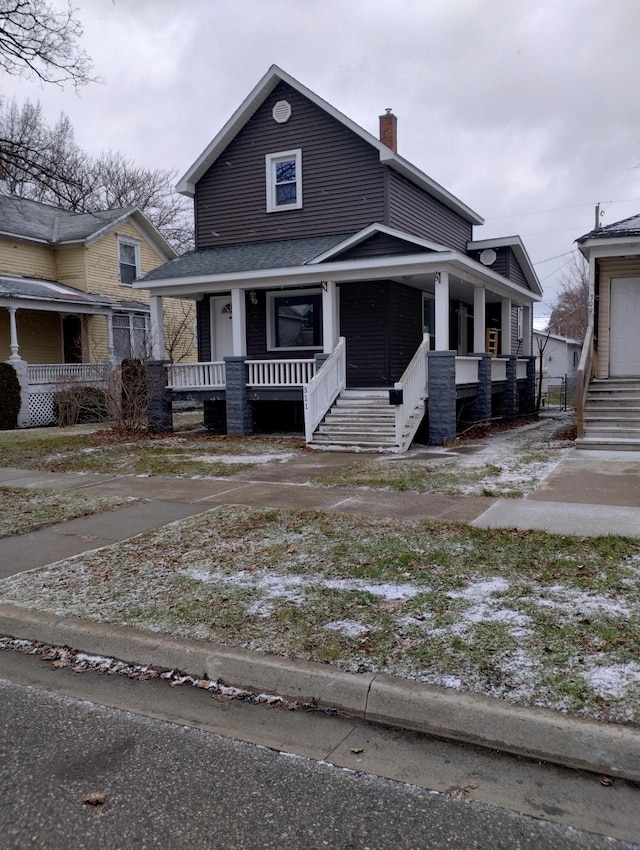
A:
[295,320]
[129,260]
[429,318]
[284,180]
[130,335]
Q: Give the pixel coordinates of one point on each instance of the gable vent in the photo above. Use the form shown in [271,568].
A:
[488,257]
[281,112]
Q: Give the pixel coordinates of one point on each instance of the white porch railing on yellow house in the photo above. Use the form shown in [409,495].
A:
[324,388]
[280,373]
[60,373]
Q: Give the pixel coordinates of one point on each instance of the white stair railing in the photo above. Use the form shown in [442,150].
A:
[323,389]
[413,385]
[193,376]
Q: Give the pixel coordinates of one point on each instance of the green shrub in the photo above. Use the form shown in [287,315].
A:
[10,397]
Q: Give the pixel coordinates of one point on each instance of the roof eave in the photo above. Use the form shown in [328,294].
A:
[187,183]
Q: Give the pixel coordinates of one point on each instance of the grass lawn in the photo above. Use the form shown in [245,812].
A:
[107,451]
[529,617]
[27,510]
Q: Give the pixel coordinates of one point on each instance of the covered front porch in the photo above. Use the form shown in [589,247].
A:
[430,329]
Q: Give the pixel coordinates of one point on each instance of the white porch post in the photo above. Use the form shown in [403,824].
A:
[329,316]
[111,350]
[157,328]
[505,324]
[526,331]
[479,319]
[13,334]
[442,311]
[239,322]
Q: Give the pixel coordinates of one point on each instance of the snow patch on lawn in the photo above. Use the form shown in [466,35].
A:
[349,628]
[613,680]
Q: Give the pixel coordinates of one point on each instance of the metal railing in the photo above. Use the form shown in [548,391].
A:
[323,389]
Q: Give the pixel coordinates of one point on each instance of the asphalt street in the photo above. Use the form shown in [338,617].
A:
[181,785]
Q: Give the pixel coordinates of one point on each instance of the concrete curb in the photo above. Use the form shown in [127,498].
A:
[538,733]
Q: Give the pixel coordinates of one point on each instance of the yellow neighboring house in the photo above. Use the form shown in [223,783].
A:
[66,298]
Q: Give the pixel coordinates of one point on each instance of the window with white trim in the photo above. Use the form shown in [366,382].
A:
[129,260]
[295,319]
[284,180]
[130,335]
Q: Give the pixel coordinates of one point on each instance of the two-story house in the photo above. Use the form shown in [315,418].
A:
[329,272]
[66,297]
[609,374]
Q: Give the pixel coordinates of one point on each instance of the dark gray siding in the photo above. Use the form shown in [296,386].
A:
[382,324]
[412,209]
[343,180]
[405,327]
[505,264]
[381,245]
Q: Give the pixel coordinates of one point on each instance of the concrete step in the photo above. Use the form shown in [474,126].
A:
[609,444]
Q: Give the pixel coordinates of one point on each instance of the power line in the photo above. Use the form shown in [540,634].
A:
[558,209]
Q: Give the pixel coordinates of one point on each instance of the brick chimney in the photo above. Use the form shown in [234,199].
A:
[389,130]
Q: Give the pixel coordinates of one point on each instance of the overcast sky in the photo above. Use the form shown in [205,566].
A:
[527,110]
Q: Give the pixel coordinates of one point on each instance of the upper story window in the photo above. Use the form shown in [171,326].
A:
[129,260]
[284,180]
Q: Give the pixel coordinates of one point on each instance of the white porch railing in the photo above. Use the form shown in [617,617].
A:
[498,369]
[280,373]
[521,368]
[467,370]
[60,373]
[413,384]
[323,389]
[197,376]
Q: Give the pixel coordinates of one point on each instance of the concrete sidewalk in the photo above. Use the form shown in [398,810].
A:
[589,493]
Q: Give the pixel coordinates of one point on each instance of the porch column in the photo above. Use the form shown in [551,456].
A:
[13,334]
[505,324]
[479,319]
[239,410]
[157,328]
[111,351]
[442,310]
[481,409]
[329,316]
[441,368]
[526,331]
[239,324]
[510,403]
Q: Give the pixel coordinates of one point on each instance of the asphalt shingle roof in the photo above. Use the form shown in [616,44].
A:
[35,289]
[248,257]
[33,220]
[627,227]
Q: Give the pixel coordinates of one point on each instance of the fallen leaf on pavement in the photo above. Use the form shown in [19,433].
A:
[97,798]
[357,750]
[606,780]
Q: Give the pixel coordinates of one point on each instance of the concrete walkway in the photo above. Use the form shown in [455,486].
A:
[589,493]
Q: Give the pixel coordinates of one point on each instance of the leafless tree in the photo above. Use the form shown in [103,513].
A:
[45,164]
[570,315]
[38,41]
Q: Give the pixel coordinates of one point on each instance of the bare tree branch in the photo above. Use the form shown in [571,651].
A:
[570,315]
[38,41]
[45,164]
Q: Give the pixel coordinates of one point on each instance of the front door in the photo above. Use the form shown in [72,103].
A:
[625,320]
[72,339]
[222,342]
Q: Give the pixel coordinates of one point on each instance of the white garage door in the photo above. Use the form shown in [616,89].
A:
[625,327]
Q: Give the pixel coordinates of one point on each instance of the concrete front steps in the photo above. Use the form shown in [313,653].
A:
[359,420]
[612,415]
